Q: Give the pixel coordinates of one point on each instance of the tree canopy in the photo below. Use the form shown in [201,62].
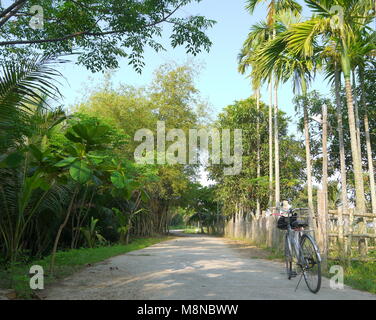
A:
[99,32]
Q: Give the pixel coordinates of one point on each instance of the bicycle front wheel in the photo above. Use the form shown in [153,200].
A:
[288,257]
[312,265]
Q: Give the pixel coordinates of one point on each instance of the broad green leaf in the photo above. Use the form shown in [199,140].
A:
[65,162]
[118,180]
[70,136]
[80,172]
[96,159]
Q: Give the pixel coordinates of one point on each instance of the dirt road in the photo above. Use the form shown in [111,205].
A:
[193,267]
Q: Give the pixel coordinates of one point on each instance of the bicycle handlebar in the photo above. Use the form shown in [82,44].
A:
[290,211]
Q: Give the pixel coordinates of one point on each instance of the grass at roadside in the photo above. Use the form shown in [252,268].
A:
[67,262]
[358,274]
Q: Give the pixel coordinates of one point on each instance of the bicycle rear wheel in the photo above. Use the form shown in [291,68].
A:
[312,265]
[288,257]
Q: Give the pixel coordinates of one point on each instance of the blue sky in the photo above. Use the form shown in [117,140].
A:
[219,82]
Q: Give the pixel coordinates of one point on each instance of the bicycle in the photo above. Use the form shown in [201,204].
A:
[301,249]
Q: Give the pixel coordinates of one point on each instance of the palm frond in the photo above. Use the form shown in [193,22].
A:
[252,4]
[23,86]
[302,36]
[23,83]
[320,7]
[288,5]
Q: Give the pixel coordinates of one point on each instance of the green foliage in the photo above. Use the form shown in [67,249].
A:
[245,188]
[91,234]
[101,32]
[56,157]
[171,97]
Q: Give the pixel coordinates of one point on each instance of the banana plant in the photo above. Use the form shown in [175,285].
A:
[91,233]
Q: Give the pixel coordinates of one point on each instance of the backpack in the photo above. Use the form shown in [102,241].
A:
[282,222]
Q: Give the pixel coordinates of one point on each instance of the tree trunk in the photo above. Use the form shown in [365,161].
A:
[271,144]
[357,163]
[357,119]
[258,207]
[371,170]
[129,229]
[341,141]
[325,175]
[308,160]
[62,226]
[276,147]
[325,151]
[341,151]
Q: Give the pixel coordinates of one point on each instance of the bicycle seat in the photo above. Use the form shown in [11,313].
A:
[299,224]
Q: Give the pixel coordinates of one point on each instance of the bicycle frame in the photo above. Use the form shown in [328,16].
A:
[293,239]
[306,260]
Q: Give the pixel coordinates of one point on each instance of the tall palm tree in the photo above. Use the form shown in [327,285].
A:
[303,38]
[275,7]
[259,35]
[276,57]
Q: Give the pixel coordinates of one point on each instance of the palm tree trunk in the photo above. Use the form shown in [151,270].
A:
[341,151]
[371,170]
[356,109]
[309,167]
[276,147]
[362,226]
[325,151]
[276,131]
[358,172]
[271,143]
[341,141]
[258,207]
[324,181]
[325,158]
